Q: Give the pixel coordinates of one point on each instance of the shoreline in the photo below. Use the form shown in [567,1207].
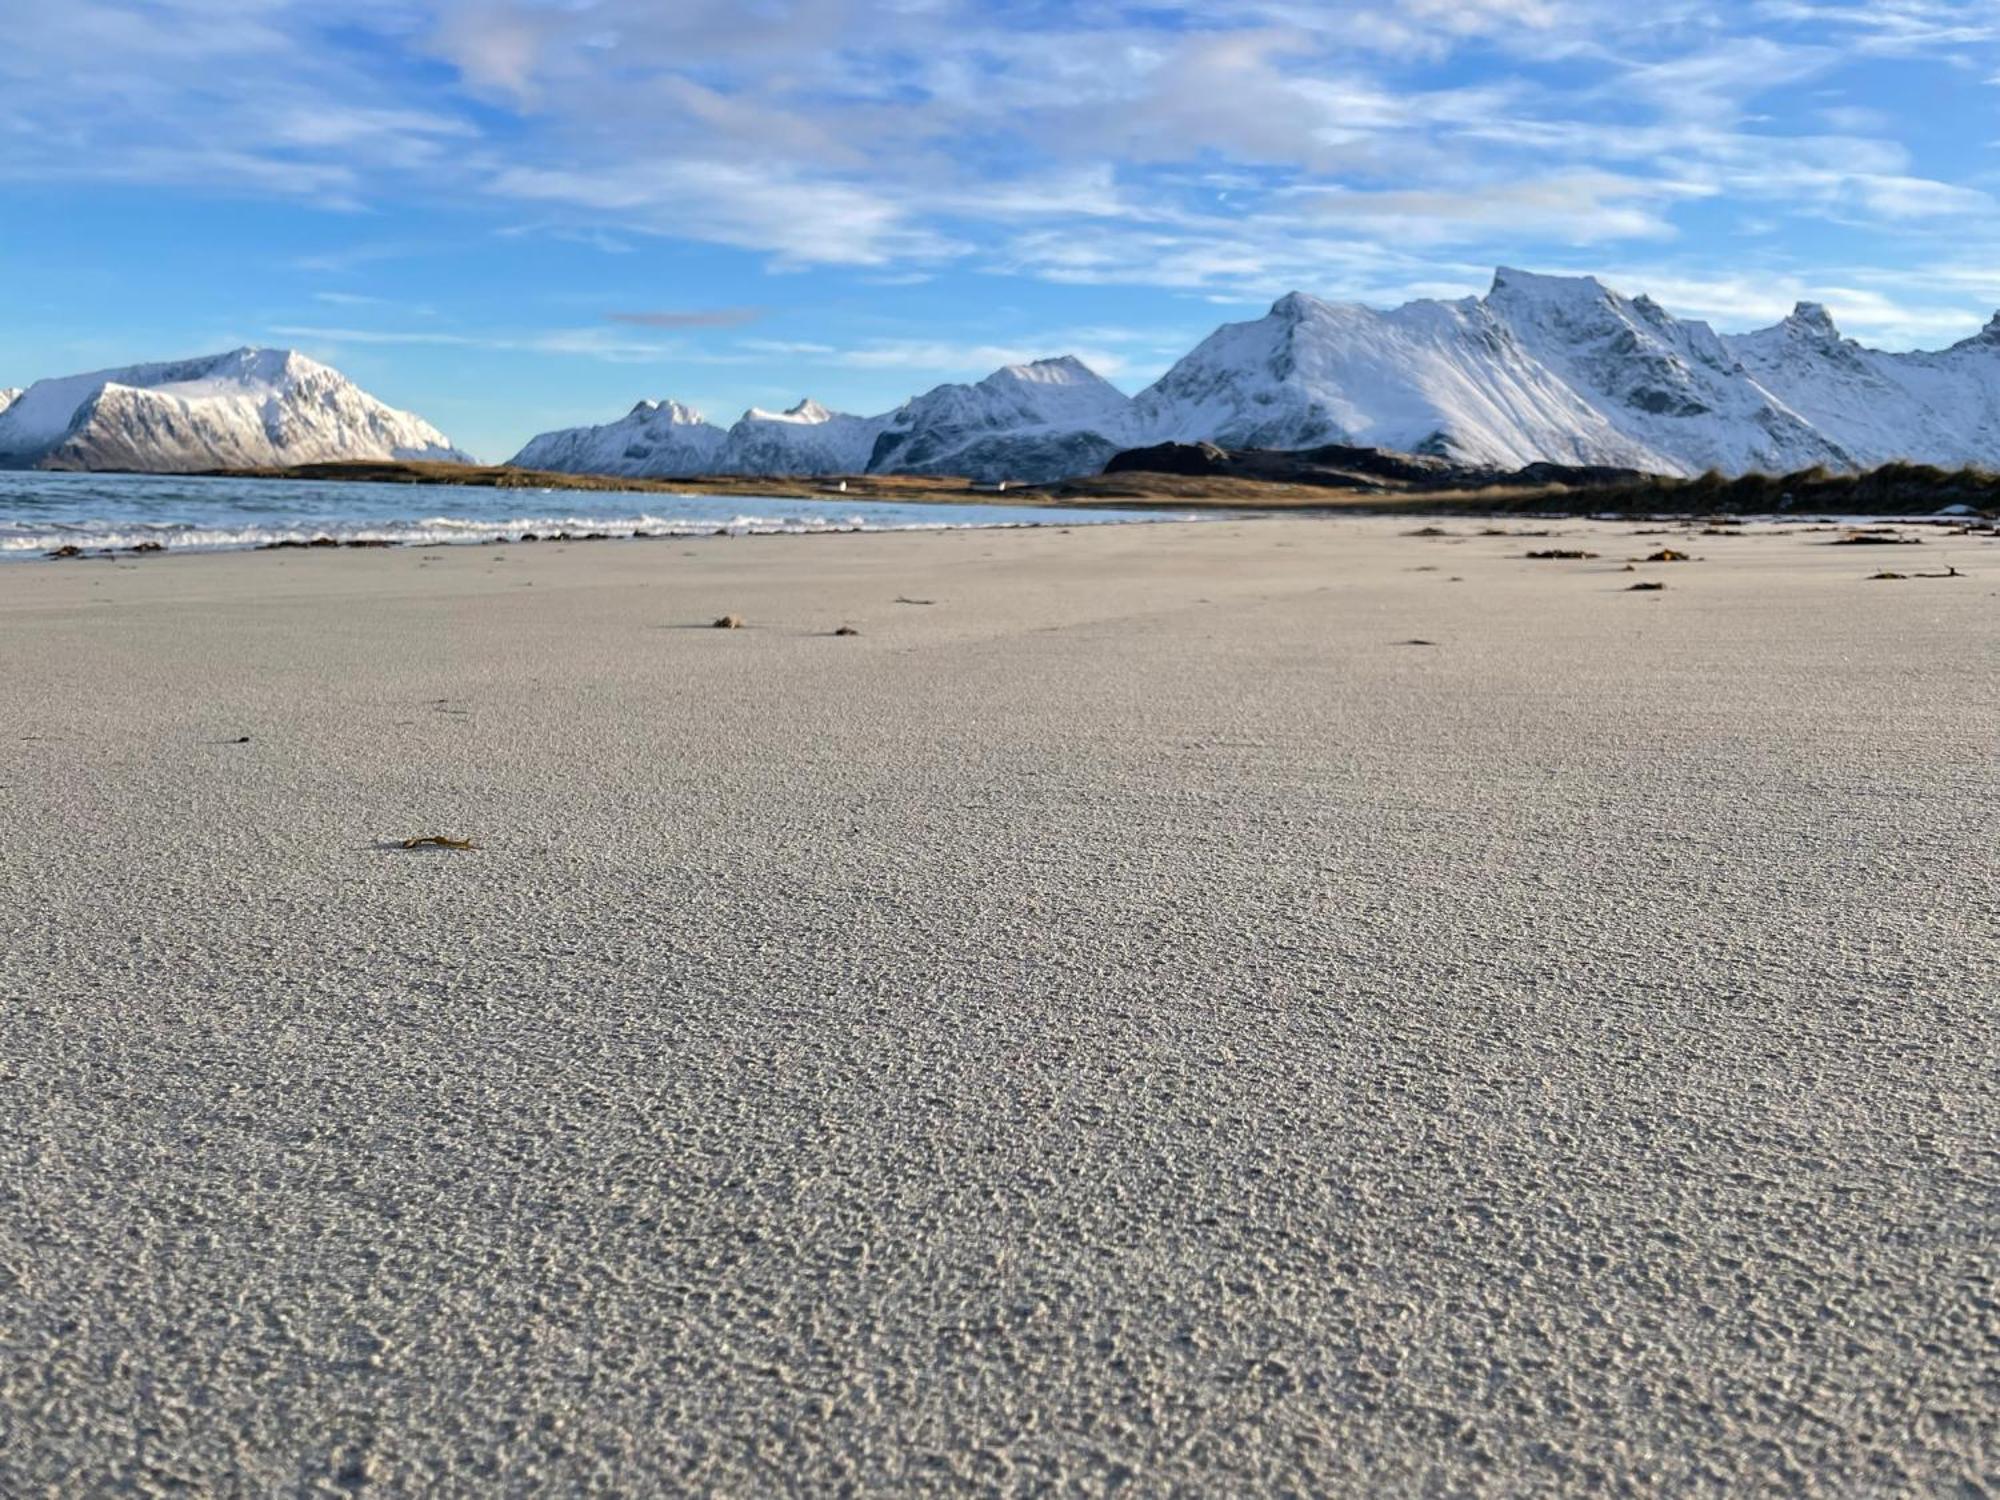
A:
[325,542]
[126,515]
[1944,525]
[290,522]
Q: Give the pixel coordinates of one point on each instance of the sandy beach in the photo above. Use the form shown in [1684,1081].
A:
[1129,1020]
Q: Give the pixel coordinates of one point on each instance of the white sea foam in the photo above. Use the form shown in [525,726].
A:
[36,538]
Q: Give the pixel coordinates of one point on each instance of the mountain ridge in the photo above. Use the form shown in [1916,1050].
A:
[1541,369]
[1035,421]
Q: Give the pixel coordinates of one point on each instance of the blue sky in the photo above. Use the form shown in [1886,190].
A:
[510,215]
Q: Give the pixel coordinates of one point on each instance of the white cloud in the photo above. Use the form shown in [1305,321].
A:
[800,221]
[1221,147]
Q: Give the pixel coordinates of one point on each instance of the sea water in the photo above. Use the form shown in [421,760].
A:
[40,512]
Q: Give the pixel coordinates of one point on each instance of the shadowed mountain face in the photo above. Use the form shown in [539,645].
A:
[244,409]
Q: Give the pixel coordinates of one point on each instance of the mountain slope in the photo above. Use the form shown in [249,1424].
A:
[247,408]
[1670,386]
[1430,377]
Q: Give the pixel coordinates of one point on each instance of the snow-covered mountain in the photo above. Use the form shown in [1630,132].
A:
[1940,407]
[244,409]
[664,439]
[655,437]
[1448,378]
[8,396]
[1671,386]
[1542,369]
[1046,420]
[805,439]
[1039,421]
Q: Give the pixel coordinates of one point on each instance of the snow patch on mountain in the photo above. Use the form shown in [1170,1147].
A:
[248,408]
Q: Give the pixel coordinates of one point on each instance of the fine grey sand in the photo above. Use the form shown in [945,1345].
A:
[1134,1023]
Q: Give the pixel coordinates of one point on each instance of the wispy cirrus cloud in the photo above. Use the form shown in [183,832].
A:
[1228,147]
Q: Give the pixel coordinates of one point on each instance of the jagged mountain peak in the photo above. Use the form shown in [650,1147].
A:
[1812,320]
[1295,307]
[1987,337]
